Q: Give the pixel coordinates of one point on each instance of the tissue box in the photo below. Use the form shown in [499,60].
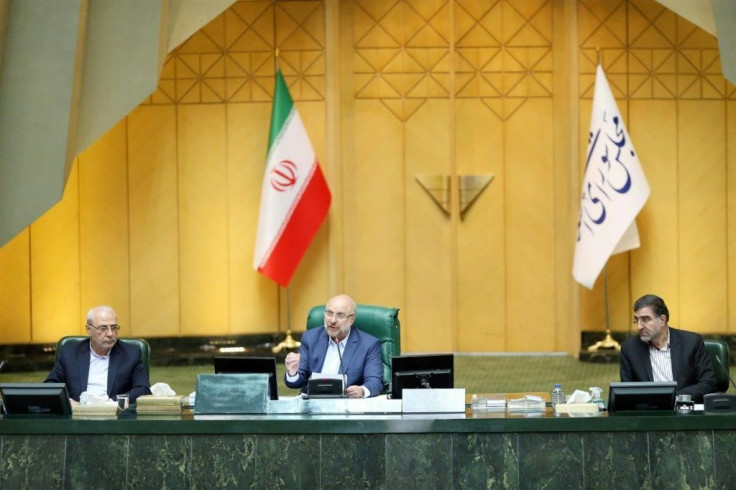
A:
[158,405]
[576,408]
[97,409]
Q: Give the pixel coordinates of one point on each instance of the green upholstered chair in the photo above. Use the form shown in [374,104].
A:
[141,343]
[379,321]
[718,349]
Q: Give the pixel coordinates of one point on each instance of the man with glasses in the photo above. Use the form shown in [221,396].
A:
[101,365]
[663,353]
[338,349]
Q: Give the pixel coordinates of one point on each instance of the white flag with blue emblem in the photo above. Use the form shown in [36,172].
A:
[614,189]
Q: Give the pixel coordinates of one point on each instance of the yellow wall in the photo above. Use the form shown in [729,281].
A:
[159,217]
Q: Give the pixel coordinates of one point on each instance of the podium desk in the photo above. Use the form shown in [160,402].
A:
[464,450]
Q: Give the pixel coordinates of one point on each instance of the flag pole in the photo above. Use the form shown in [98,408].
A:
[608,342]
[288,342]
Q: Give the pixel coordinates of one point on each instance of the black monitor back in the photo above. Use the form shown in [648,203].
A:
[35,399]
[421,371]
[249,364]
[626,396]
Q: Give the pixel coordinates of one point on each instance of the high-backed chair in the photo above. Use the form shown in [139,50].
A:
[379,321]
[141,343]
[718,349]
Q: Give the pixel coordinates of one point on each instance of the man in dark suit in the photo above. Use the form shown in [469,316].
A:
[338,349]
[101,365]
[663,353]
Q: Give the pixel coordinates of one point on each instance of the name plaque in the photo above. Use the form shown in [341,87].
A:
[231,394]
[437,400]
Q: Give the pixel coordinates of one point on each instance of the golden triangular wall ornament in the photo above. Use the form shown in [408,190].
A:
[437,186]
[470,187]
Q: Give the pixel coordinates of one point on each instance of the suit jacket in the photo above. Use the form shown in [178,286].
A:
[691,365]
[126,373]
[361,360]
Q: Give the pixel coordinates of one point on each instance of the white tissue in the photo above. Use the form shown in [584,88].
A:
[90,399]
[579,396]
[162,389]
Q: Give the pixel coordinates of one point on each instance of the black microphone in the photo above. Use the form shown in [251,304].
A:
[725,369]
[341,369]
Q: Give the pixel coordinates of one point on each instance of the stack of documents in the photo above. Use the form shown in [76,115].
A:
[489,403]
[158,405]
[527,403]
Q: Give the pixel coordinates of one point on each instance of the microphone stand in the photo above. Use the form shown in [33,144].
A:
[288,343]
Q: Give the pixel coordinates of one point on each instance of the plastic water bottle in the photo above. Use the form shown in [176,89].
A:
[558,396]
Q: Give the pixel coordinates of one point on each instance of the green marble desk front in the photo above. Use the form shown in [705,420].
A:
[492,450]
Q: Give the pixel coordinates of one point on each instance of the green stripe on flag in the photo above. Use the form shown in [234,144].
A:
[282,106]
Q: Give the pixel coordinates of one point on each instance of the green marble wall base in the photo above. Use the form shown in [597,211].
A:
[565,460]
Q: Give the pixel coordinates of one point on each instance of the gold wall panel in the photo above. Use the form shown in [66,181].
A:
[15,290]
[203,219]
[55,271]
[429,247]
[159,219]
[530,230]
[654,266]
[154,221]
[481,246]
[103,226]
[702,221]
[376,248]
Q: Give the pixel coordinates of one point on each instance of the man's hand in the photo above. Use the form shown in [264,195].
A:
[355,391]
[292,363]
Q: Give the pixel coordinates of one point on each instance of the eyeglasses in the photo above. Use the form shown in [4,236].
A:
[642,319]
[339,315]
[105,328]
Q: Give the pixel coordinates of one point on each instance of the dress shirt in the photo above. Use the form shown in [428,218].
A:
[98,367]
[661,361]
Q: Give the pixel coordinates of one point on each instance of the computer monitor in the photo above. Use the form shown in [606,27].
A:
[421,371]
[642,395]
[35,399]
[249,364]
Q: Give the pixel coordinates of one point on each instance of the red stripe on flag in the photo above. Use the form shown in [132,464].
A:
[298,233]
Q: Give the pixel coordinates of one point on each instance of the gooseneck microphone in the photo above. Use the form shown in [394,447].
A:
[725,368]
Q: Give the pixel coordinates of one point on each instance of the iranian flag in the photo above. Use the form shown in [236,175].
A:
[294,195]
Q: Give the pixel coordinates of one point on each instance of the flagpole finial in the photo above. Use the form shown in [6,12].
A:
[277,52]
[597,55]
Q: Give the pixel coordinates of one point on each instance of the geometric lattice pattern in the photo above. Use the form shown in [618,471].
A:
[407,50]
[655,55]
[232,59]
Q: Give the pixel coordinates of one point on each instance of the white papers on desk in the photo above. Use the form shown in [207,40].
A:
[527,403]
[488,403]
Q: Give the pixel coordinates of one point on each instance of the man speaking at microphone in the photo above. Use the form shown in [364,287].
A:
[338,349]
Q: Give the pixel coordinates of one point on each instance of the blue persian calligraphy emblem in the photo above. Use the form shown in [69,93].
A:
[610,153]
